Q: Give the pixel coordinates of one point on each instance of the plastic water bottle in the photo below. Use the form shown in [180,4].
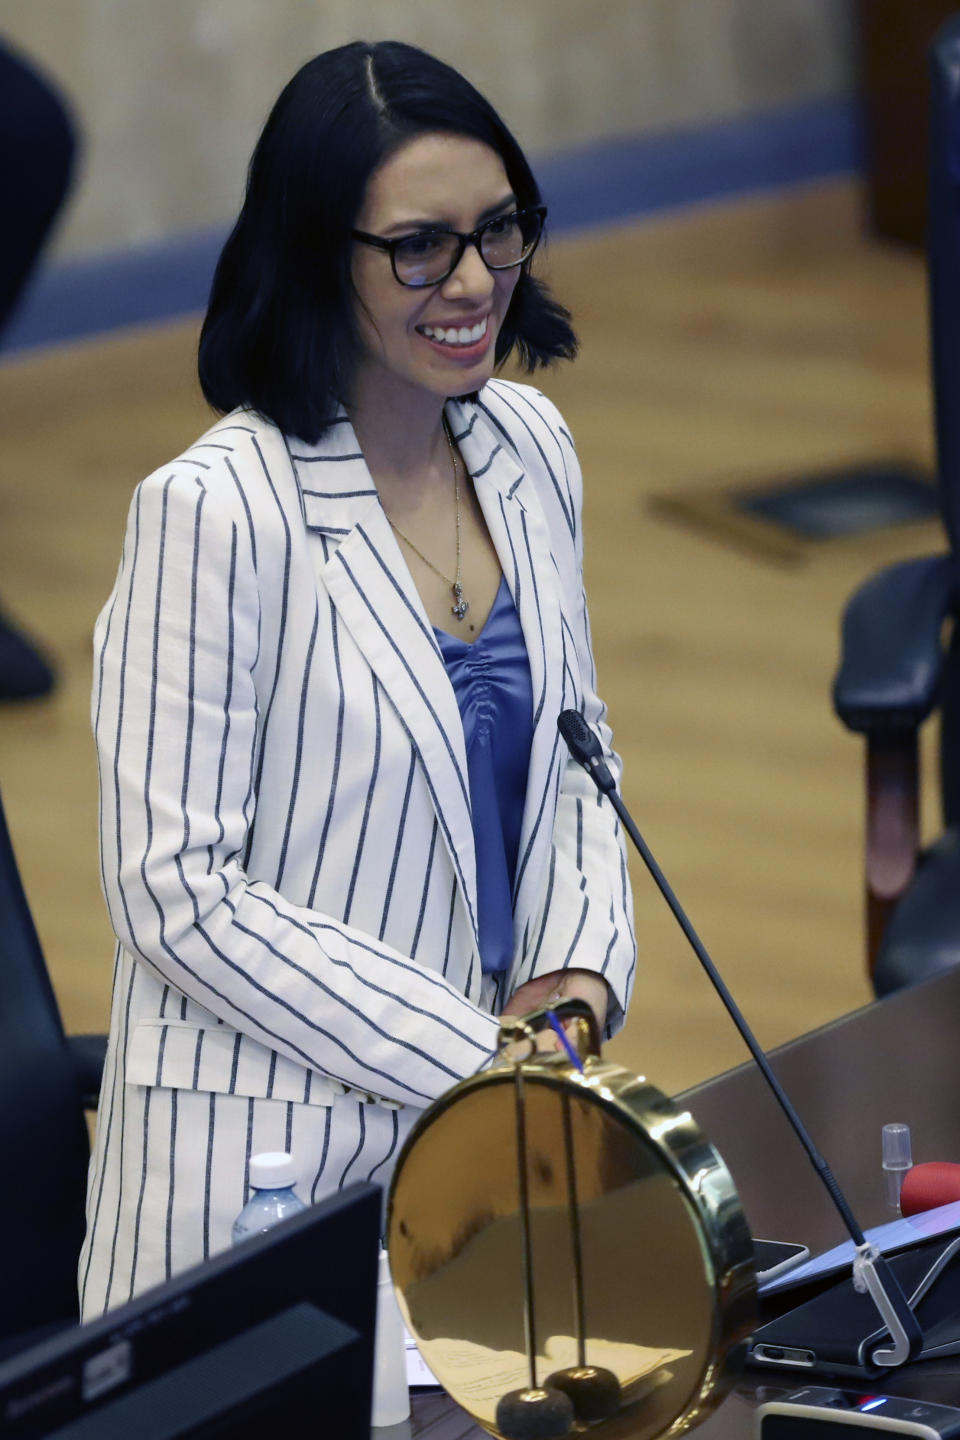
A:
[272,1178]
[391,1395]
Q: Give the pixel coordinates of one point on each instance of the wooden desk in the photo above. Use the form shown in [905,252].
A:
[897,1059]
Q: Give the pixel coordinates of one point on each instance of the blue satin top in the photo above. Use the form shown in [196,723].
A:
[491,680]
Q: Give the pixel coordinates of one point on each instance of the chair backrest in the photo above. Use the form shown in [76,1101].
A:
[943,250]
[43,1136]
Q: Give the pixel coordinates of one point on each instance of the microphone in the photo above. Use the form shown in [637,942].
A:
[586,749]
[870,1270]
[937,1182]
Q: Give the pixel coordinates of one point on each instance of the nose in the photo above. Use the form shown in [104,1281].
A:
[471,279]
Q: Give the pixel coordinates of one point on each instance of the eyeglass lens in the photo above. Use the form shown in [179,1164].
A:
[425,258]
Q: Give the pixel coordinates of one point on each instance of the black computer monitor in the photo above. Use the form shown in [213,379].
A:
[278,1330]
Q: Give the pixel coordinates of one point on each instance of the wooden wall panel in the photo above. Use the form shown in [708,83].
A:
[722,346]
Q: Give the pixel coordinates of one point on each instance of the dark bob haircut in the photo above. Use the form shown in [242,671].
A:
[280,334]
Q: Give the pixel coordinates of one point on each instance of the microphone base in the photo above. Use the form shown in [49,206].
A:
[835,1333]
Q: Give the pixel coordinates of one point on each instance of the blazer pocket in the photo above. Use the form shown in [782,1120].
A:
[183,1056]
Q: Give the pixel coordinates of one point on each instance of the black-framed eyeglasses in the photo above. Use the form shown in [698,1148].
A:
[429,256]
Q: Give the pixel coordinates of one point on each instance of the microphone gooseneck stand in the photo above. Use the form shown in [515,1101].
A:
[871,1272]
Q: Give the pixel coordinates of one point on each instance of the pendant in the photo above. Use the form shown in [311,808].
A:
[462,606]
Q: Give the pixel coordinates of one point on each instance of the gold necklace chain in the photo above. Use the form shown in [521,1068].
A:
[460,606]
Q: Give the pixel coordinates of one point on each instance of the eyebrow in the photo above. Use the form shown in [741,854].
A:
[414,226]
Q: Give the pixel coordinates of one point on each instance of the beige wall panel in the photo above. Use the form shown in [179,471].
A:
[171,96]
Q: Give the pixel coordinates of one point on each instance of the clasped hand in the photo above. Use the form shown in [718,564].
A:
[560,985]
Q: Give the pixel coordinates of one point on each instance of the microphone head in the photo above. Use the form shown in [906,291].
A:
[926,1186]
[586,749]
[581,741]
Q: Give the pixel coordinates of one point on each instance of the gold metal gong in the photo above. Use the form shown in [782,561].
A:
[557,1228]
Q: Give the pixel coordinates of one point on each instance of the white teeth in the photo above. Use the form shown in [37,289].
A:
[465,335]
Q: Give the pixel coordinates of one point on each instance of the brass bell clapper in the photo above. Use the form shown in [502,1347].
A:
[594,1391]
[537,1412]
[580,1392]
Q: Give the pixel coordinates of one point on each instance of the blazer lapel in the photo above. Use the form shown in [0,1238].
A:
[522,538]
[364,573]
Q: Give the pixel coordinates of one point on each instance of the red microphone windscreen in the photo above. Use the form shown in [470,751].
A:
[927,1186]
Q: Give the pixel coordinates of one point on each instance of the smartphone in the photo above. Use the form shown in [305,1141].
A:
[774,1257]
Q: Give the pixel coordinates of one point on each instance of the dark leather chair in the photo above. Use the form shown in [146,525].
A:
[901,646]
[46,1081]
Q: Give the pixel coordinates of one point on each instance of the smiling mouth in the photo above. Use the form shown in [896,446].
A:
[456,334]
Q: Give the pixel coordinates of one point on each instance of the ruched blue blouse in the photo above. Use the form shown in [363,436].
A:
[491,680]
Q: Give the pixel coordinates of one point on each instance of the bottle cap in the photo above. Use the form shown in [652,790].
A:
[896,1147]
[273,1170]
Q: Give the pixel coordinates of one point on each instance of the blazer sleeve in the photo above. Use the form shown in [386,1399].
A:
[585,920]
[176,718]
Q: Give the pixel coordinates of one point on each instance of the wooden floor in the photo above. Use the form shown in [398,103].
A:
[722,347]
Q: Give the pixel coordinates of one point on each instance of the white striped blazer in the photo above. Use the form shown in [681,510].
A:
[287,850]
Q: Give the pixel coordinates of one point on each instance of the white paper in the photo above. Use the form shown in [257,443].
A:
[418,1371]
[481,1376]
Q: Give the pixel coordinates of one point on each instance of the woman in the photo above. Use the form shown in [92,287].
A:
[339,829]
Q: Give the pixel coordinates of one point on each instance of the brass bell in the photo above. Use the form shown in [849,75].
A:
[568,1249]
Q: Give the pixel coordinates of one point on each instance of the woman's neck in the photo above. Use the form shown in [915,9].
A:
[399,428]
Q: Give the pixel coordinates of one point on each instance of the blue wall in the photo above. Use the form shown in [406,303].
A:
[607,182]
